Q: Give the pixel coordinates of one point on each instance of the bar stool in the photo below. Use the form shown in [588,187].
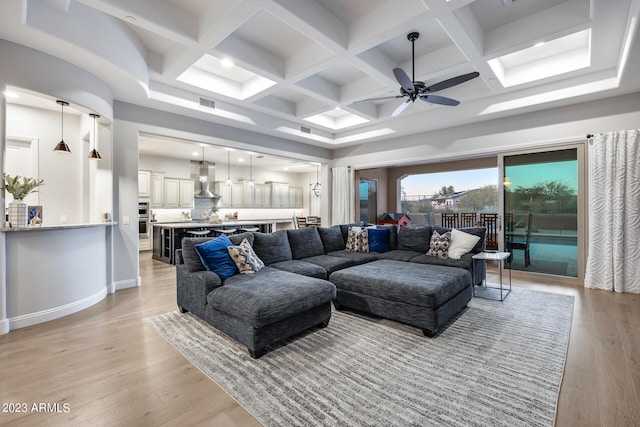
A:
[225,231]
[198,233]
[248,229]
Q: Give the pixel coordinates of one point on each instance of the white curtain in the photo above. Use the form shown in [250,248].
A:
[342,195]
[614,212]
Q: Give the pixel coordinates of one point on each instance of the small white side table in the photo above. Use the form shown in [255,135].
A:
[500,258]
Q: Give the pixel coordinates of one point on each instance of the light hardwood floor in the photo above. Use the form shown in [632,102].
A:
[112,369]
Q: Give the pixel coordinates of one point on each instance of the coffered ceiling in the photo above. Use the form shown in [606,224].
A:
[304,69]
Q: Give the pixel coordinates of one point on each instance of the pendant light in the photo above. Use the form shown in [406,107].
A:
[251,183]
[317,187]
[204,173]
[62,146]
[93,154]
[227,182]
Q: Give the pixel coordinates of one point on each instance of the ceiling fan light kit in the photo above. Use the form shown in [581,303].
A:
[411,89]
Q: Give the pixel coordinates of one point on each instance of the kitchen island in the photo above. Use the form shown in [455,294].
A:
[167,236]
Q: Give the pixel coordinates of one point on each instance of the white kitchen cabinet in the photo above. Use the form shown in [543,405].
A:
[187,193]
[295,197]
[224,191]
[262,196]
[178,193]
[144,184]
[171,193]
[279,194]
[157,188]
[237,195]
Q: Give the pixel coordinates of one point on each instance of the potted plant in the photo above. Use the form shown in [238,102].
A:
[19,187]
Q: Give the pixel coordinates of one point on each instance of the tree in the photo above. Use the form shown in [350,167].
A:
[483,199]
[444,191]
[552,196]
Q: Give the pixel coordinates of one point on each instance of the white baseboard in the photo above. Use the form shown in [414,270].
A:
[56,312]
[123,284]
[4,326]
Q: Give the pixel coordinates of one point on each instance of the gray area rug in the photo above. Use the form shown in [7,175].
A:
[497,364]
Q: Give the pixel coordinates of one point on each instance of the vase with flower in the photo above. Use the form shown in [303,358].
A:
[19,187]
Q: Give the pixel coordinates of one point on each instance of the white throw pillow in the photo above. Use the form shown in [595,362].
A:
[461,243]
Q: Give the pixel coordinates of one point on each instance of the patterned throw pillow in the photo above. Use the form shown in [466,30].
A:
[439,245]
[357,240]
[246,260]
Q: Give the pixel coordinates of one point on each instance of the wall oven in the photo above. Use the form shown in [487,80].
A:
[143,220]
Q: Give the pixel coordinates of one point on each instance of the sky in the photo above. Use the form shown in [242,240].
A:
[428,184]
[529,175]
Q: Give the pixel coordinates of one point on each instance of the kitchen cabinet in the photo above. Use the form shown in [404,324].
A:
[262,196]
[144,184]
[177,193]
[279,194]
[187,193]
[295,197]
[237,195]
[224,191]
[157,188]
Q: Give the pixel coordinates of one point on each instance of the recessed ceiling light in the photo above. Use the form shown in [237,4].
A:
[130,18]
[195,154]
[10,94]
[227,62]
[285,168]
[538,44]
[241,160]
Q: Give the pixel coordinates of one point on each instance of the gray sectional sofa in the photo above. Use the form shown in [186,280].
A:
[307,269]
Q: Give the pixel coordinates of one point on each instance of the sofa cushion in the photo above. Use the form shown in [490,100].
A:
[215,257]
[190,257]
[237,239]
[465,261]
[379,239]
[461,243]
[357,240]
[399,255]
[305,242]
[272,247]
[330,263]
[331,238]
[269,295]
[420,285]
[439,245]
[245,259]
[301,267]
[356,257]
[476,231]
[414,238]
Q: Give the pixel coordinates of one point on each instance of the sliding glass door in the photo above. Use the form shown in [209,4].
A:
[541,211]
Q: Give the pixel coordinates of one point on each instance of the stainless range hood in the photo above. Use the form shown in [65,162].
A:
[204,173]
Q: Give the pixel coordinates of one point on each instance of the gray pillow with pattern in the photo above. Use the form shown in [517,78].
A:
[245,258]
[439,244]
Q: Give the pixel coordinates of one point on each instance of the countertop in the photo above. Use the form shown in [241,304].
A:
[57,227]
[198,224]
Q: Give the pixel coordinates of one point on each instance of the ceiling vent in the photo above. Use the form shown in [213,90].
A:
[209,103]
[305,129]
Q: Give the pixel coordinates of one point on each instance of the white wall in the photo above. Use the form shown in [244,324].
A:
[62,172]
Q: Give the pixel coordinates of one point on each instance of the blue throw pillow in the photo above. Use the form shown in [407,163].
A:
[379,239]
[215,257]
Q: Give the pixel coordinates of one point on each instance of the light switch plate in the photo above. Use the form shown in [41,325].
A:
[63,219]
[125,220]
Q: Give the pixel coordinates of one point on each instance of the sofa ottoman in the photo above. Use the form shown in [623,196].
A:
[260,309]
[424,296]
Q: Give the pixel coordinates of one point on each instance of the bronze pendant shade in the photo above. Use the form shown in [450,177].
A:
[62,146]
[93,154]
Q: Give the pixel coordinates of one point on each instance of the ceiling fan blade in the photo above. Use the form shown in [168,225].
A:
[401,107]
[404,80]
[435,99]
[452,81]
[382,98]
